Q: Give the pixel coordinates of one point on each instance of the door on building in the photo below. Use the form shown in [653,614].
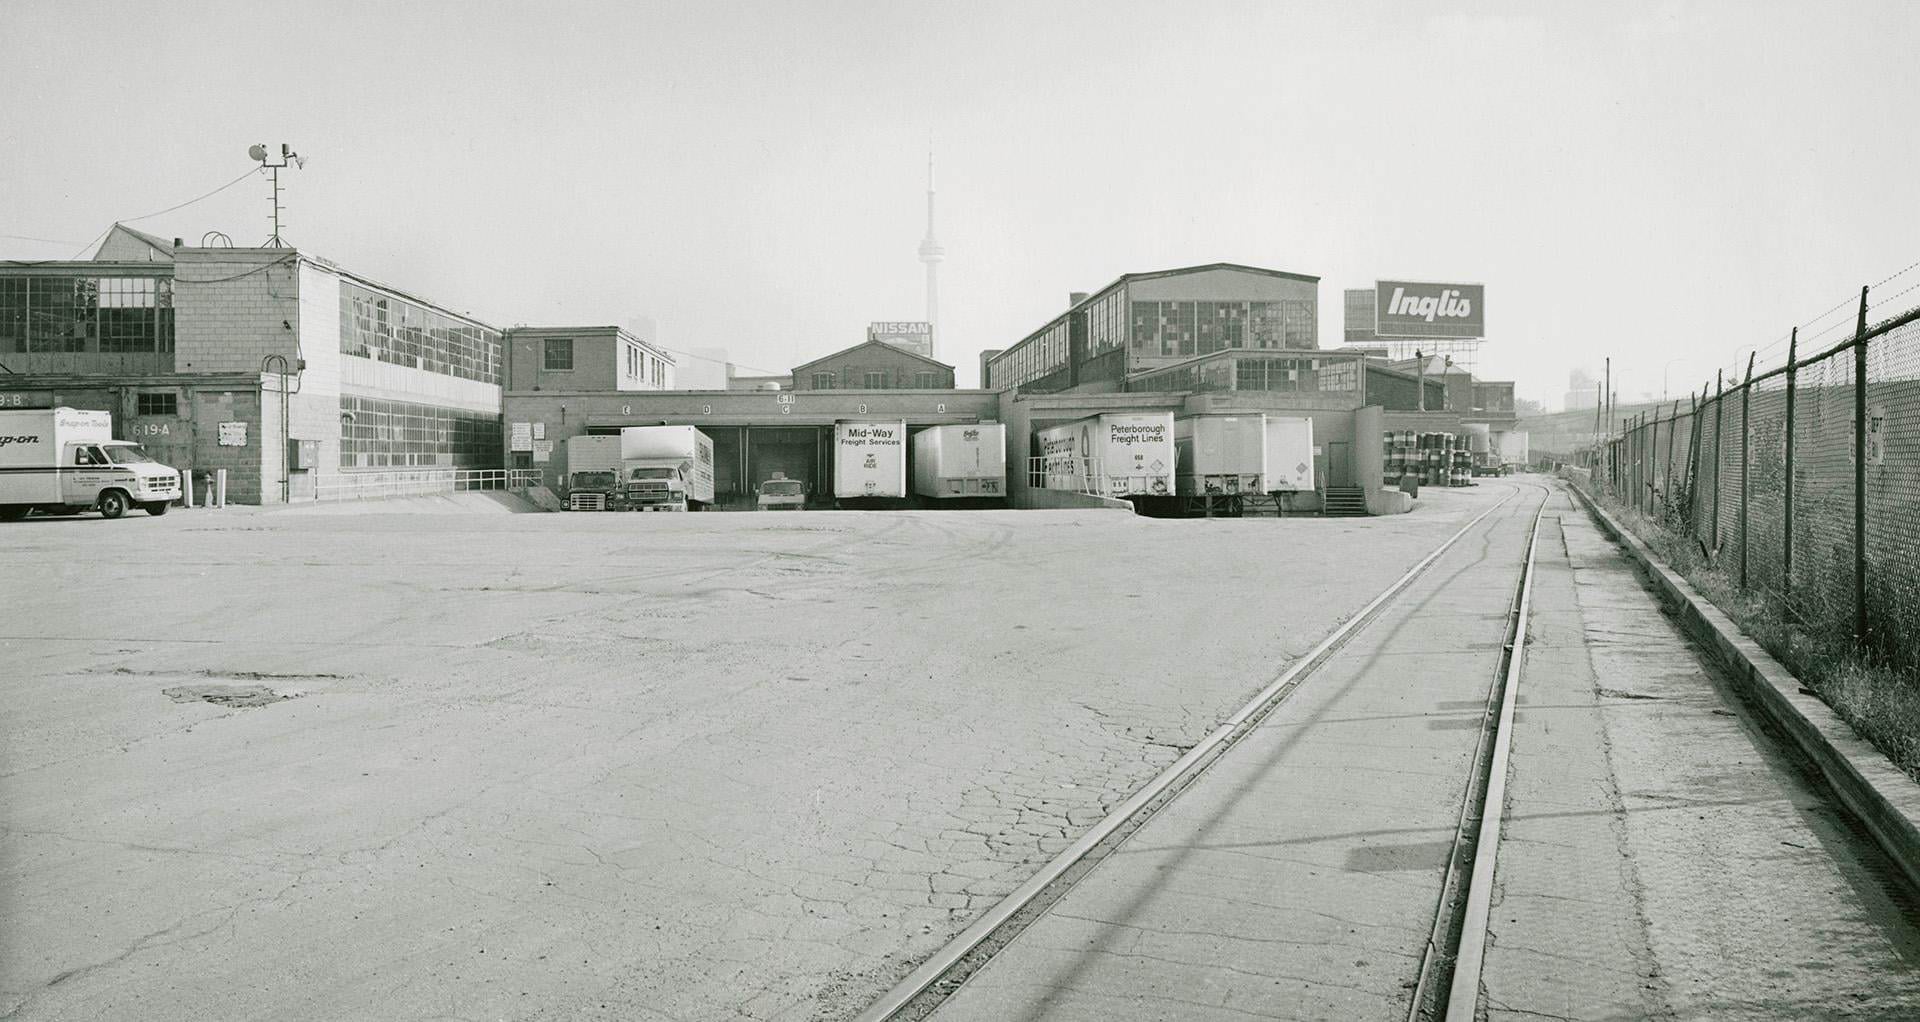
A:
[1339,463]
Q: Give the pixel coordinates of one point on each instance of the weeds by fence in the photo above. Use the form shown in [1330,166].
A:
[1792,495]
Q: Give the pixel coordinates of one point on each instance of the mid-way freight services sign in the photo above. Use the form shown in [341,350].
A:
[1406,308]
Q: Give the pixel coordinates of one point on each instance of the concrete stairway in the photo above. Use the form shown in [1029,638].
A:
[1345,502]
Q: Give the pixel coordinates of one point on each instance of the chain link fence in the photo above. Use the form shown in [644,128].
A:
[1800,485]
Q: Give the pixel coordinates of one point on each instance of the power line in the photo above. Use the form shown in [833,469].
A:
[148,216]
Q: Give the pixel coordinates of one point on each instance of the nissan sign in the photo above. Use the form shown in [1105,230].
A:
[1405,308]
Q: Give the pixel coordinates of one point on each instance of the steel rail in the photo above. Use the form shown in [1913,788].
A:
[943,961]
[1463,994]
[1440,935]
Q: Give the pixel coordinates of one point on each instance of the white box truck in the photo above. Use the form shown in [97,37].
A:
[1119,454]
[1289,455]
[869,459]
[62,461]
[666,468]
[593,474]
[960,461]
[1219,454]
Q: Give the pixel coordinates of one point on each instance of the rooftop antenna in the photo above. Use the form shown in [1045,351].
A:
[287,155]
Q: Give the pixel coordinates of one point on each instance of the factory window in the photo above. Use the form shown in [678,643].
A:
[875,380]
[399,434]
[924,381]
[74,314]
[823,381]
[389,329]
[633,361]
[167,403]
[559,355]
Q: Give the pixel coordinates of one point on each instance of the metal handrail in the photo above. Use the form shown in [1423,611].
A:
[420,482]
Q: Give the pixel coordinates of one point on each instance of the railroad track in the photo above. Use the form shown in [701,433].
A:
[1448,983]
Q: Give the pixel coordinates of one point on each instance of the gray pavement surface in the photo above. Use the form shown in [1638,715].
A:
[1298,877]
[1663,858]
[437,766]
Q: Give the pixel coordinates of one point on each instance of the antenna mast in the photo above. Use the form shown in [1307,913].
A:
[287,155]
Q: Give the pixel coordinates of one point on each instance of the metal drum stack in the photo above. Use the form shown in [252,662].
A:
[1462,467]
[1401,455]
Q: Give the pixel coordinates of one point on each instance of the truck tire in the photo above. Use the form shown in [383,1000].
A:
[14,512]
[113,504]
[155,508]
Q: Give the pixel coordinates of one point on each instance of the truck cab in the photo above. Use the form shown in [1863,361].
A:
[782,494]
[655,486]
[594,490]
[113,475]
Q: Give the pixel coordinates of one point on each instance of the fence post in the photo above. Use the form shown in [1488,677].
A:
[1719,421]
[1746,450]
[1653,463]
[1695,416]
[1860,474]
[1786,537]
[1673,426]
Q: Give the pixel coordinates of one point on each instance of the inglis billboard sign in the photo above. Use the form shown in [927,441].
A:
[1405,308]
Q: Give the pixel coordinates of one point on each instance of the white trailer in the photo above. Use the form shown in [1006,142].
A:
[1511,448]
[668,468]
[1219,454]
[1119,454]
[1289,455]
[64,460]
[960,461]
[869,459]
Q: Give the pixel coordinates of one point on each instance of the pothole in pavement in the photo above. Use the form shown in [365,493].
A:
[236,696]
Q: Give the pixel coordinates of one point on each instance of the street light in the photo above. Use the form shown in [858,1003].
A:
[1663,376]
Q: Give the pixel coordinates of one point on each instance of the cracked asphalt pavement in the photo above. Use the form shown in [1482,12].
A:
[597,766]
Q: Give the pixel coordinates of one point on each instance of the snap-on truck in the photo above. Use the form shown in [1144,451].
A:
[869,460]
[63,461]
[1219,454]
[666,468]
[1119,454]
[955,461]
[593,474]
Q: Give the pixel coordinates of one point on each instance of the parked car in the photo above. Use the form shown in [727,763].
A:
[780,493]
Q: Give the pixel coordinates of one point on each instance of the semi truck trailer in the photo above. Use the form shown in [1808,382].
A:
[1219,455]
[1119,454]
[869,459]
[64,460]
[1289,455]
[666,468]
[960,461]
[593,474]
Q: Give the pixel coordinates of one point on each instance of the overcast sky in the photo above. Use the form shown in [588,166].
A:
[1651,181]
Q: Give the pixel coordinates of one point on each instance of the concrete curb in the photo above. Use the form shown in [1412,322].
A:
[1878,793]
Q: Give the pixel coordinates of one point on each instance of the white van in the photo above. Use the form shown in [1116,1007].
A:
[63,461]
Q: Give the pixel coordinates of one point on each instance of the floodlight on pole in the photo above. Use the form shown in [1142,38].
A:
[259,154]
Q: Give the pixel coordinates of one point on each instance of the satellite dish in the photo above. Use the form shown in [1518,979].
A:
[258,152]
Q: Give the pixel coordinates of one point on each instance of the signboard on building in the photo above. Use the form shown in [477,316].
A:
[233,434]
[542,451]
[1876,435]
[914,336]
[520,437]
[1406,308]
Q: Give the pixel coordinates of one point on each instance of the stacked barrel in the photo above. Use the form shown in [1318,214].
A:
[1401,455]
[1436,459]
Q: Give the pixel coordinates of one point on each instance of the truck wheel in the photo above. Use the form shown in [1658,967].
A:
[14,512]
[113,504]
[155,508]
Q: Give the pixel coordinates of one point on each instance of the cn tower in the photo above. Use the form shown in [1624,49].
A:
[931,253]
